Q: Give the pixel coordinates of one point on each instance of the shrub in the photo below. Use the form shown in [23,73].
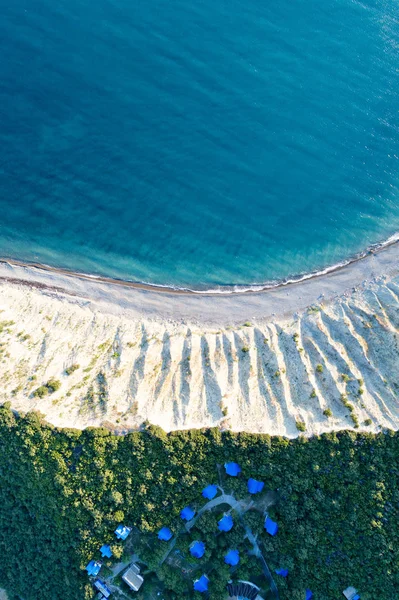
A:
[247,324]
[300,425]
[319,368]
[245,349]
[313,394]
[327,412]
[368,422]
[41,391]
[53,385]
[72,369]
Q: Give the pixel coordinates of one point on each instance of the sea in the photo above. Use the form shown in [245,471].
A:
[209,144]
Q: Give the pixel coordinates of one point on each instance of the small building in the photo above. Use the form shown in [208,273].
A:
[106,551]
[102,588]
[210,492]
[93,568]
[232,469]
[197,549]
[187,513]
[165,534]
[201,584]
[282,572]
[254,486]
[308,595]
[122,531]
[232,558]
[133,578]
[351,593]
[226,523]
[271,526]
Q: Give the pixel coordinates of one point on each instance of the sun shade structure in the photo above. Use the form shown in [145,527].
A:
[201,584]
[271,526]
[122,531]
[225,523]
[254,487]
[232,558]
[232,469]
[106,551]
[282,572]
[309,595]
[197,549]
[93,568]
[187,513]
[210,492]
[165,534]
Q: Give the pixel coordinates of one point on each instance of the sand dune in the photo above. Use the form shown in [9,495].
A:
[339,356]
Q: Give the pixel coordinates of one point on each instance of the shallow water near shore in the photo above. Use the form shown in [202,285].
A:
[198,145]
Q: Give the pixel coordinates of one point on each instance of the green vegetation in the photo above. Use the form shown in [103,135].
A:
[319,368]
[245,349]
[71,369]
[49,388]
[327,412]
[300,425]
[62,492]
[41,391]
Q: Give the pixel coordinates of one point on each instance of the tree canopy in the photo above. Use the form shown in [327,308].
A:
[62,492]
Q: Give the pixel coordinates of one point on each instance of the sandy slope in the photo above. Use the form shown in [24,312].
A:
[260,377]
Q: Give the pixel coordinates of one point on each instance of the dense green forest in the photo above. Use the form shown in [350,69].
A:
[64,491]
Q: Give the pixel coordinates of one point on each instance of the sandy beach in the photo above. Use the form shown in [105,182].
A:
[322,353]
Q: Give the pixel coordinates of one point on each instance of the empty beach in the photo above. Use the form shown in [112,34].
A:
[313,356]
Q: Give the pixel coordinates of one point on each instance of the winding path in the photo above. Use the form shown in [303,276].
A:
[238,505]
[241,507]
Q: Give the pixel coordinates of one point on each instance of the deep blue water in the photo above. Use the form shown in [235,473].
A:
[197,143]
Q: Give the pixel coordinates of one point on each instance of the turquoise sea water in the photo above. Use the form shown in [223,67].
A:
[197,143]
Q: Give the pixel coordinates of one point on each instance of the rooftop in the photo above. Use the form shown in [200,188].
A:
[165,534]
[243,590]
[232,469]
[197,549]
[225,523]
[210,491]
[254,486]
[351,593]
[187,513]
[271,526]
[106,551]
[133,578]
[93,568]
[232,558]
[100,585]
[122,531]
[201,584]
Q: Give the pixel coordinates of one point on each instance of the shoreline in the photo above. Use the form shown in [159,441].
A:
[208,309]
[222,289]
[322,353]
